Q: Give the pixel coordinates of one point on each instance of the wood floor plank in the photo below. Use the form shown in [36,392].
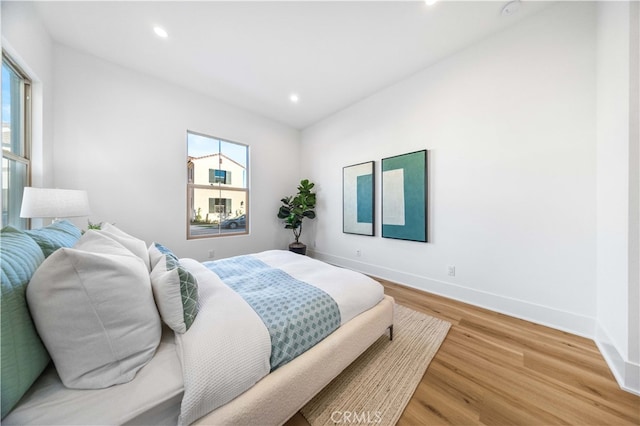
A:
[574,349]
[493,369]
[424,408]
[468,393]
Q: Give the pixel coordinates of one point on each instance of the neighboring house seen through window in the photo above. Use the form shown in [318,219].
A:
[16,141]
[219,176]
[217,187]
[220,205]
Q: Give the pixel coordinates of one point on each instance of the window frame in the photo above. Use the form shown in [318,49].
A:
[219,187]
[26,130]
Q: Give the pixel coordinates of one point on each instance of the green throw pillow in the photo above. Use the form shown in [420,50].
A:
[57,235]
[24,356]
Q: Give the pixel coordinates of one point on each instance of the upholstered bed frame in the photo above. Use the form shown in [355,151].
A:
[278,396]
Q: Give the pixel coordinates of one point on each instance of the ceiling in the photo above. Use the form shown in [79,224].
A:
[254,55]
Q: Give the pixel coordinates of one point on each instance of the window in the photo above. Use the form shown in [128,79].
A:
[219,176]
[217,187]
[16,138]
[220,205]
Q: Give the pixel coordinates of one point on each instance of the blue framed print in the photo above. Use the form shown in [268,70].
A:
[404,196]
[358,199]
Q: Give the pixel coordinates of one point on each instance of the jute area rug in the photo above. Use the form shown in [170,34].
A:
[378,385]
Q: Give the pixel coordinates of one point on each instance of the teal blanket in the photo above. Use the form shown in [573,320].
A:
[297,315]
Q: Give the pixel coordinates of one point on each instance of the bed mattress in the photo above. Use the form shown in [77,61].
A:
[152,398]
[227,349]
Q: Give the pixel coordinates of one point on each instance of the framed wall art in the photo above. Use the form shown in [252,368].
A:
[358,199]
[404,196]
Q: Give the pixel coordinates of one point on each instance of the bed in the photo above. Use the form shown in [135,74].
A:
[212,358]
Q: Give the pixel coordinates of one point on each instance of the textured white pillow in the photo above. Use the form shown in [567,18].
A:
[94,310]
[135,245]
[176,293]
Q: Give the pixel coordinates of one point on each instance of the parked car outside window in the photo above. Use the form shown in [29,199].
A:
[234,222]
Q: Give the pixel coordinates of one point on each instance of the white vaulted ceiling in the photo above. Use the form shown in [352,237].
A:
[254,55]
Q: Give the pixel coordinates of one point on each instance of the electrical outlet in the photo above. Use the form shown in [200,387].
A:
[358,253]
[451,270]
[211,254]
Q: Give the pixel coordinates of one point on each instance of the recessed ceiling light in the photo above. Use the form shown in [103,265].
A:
[430,2]
[160,32]
[294,98]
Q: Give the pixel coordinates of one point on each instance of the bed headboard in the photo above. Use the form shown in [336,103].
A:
[24,357]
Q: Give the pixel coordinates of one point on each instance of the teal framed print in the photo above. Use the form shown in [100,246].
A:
[358,199]
[404,196]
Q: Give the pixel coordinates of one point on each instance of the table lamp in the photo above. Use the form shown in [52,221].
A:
[55,203]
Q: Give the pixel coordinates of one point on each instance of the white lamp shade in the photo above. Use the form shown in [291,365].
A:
[56,203]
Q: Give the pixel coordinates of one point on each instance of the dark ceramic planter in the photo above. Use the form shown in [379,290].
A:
[298,248]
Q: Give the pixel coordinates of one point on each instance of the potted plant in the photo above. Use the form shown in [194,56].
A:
[293,211]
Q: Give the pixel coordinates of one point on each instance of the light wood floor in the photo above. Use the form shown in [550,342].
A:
[493,369]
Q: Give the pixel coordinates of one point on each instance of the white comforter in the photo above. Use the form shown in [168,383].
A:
[227,349]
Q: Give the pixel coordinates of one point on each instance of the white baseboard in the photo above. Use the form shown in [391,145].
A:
[627,374]
[544,315]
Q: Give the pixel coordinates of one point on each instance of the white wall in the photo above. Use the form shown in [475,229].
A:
[617,190]
[122,136]
[510,128]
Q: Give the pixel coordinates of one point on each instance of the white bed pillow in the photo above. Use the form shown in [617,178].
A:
[156,252]
[135,245]
[176,293]
[93,308]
